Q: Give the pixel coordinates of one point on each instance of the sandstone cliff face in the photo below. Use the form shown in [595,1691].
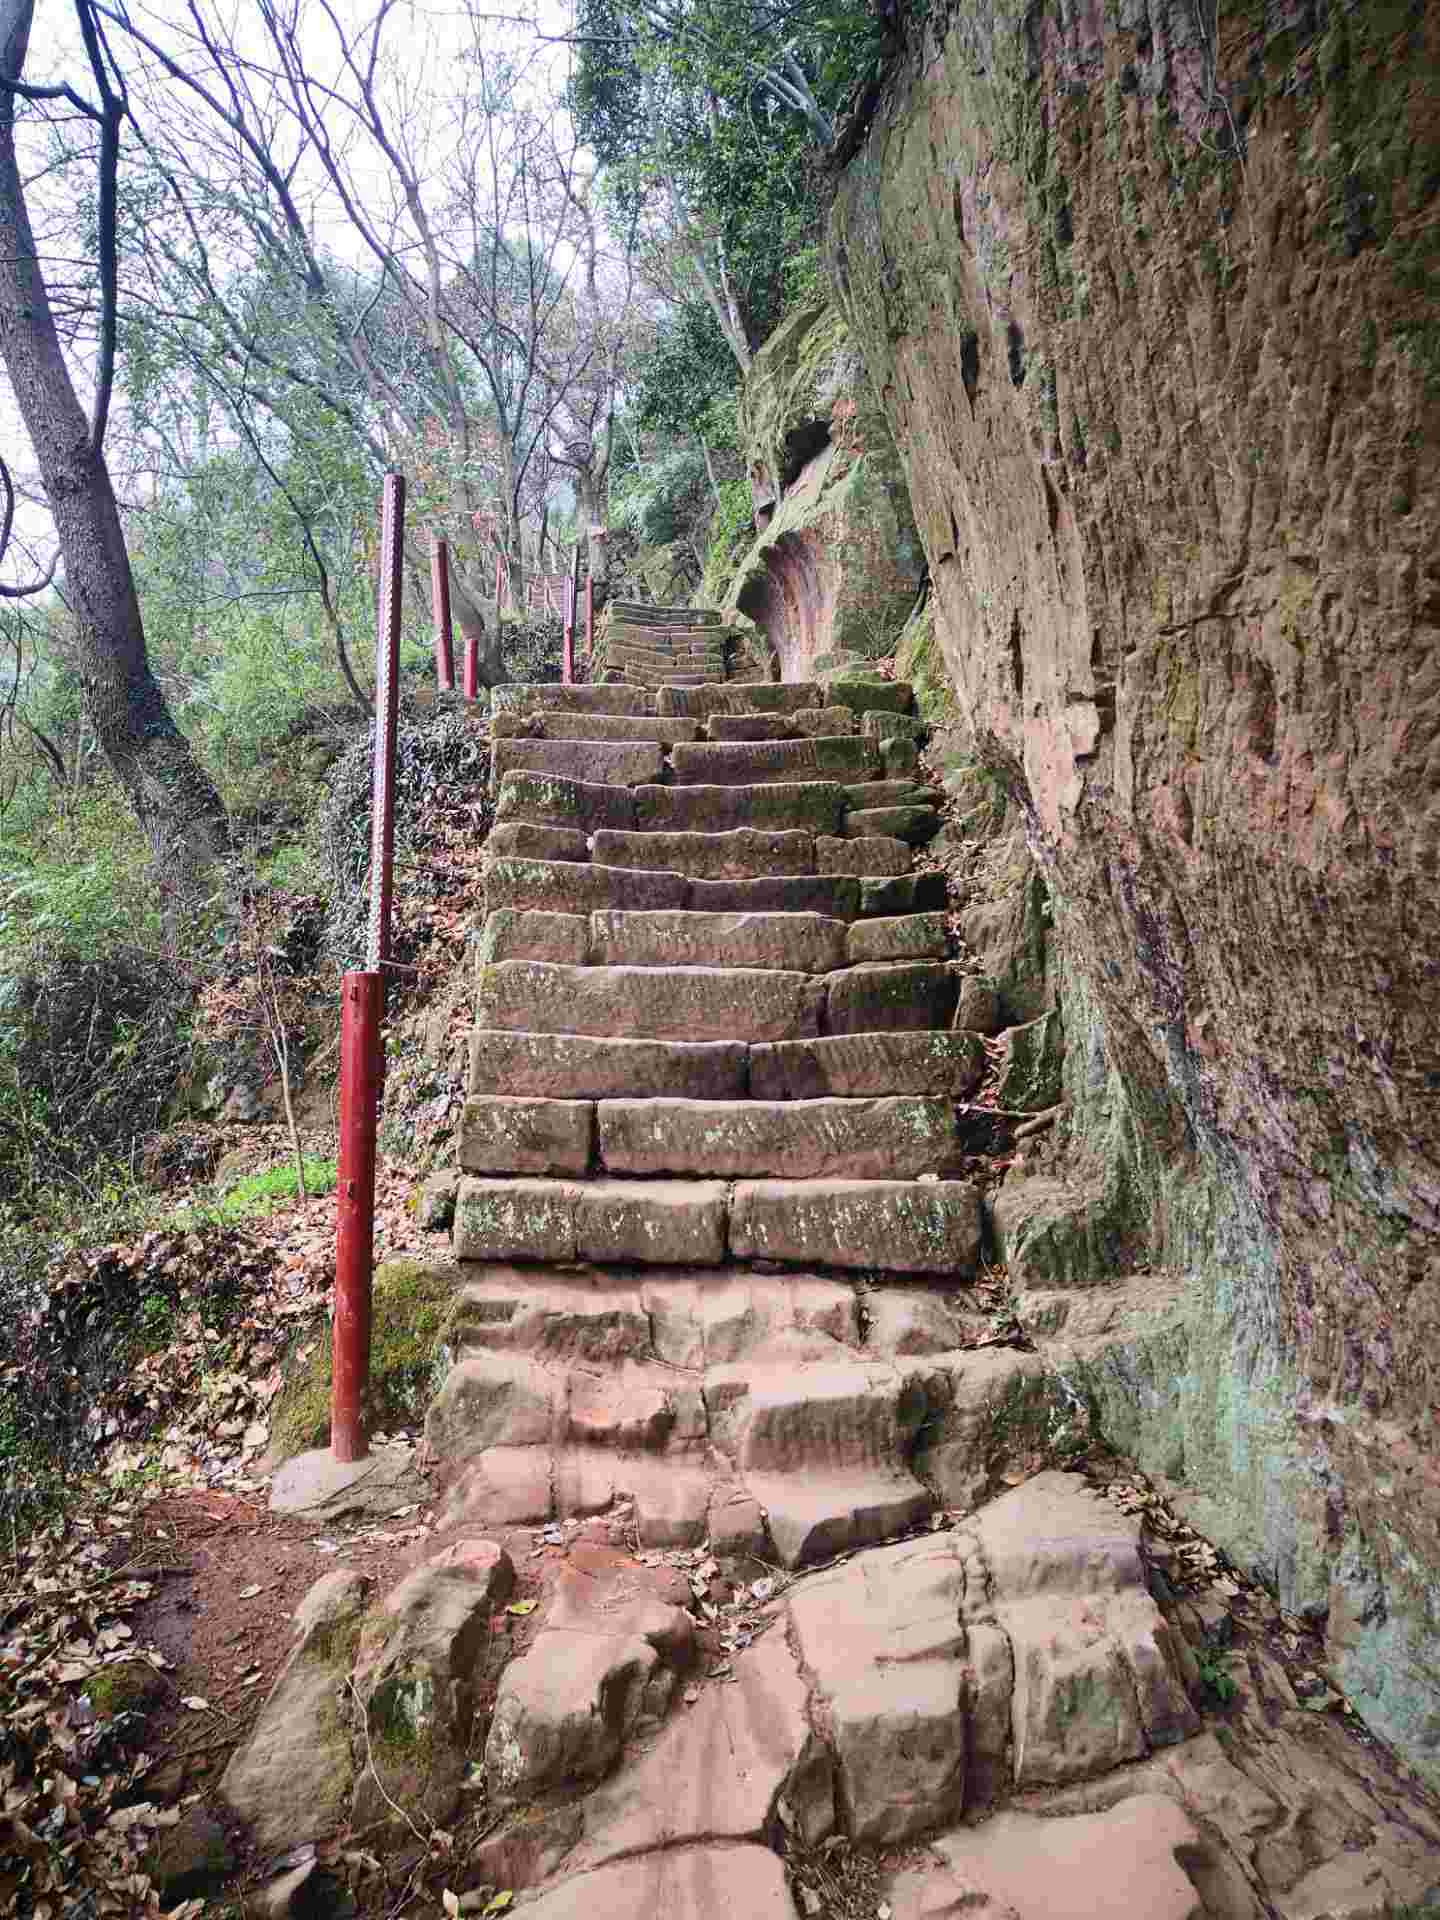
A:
[1154,322]
[833,571]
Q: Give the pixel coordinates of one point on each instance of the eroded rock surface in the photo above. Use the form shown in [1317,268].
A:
[1150,310]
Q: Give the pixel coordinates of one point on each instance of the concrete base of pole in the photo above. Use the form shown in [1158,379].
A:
[324,1488]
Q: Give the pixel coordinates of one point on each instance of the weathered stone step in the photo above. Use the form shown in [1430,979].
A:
[914,825]
[741,696]
[741,853]
[688,659]
[884,997]
[679,1003]
[617,726]
[872,855]
[903,893]
[918,1226]
[843,757]
[802,942]
[523,840]
[816,805]
[946,1064]
[658,678]
[902,1227]
[816,1515]
[906,936]
[508,1133]
[803,722]
[538,696]
[877,1139]
[581,1066]
[834,895]
[565,886]
[616,763]
[550,801]
[612,1222]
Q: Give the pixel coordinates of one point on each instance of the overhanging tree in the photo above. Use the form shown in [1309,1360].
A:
[182,815]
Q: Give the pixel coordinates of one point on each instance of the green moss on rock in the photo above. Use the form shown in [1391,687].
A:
[412,1300]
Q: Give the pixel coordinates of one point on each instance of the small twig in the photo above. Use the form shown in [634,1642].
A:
[424,1839]
[1040,1122]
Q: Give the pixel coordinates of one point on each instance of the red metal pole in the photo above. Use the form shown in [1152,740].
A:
[361,1008]
[589,616]
[387,676]
[499,566]
[567,668]
[471,684]
[361,996]
[440,600]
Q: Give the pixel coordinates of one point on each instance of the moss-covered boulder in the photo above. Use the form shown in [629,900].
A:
[408,1358]
[833,571]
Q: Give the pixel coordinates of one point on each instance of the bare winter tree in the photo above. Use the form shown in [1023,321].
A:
[459,349]
[178,807]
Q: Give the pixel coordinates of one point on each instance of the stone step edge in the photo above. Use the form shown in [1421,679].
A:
[895,1226]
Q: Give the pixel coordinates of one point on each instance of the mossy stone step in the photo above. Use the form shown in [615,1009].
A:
[567,886]
[538,696]
[817,806]
[676,1003]
[850,1064]
[741,853]
[617,763]
[842,757]
[800,942]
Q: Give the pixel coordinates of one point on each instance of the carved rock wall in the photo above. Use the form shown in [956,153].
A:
[1154,322]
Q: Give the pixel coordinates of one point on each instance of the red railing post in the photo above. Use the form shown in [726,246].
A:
[440,601]
[470,686]
[361,996]
[499,572]
[589,616]
[361,1010]
[567,665]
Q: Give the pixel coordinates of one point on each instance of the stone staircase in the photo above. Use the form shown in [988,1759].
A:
[713,1213]
[658,646]
[811,1627]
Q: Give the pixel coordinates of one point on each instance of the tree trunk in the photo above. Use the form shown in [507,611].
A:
[466,613]
[182,815]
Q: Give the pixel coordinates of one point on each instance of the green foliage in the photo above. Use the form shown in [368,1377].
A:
[412,1303]
[804,279]
[1217,1680]
[730,533]
[687,382]
[708,115]
[261,1193]
[659,503]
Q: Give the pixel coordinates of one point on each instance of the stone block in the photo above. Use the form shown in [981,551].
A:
[865,1139]
[886,724]
[676,1003]
[745,762]
[890,996]
[868,692]
[744,853]
[904,893]
[830,721]
[567,886]
[579,1066]
[540,697]
[814,805]
[515,1220]
[873,855]
[804,942]
[620,763]
[520,840]
[547,800]
[947,1064]
[913,825]
[506,1133]
[517,933]
[900,1226]
[656,1222]
[835,895]
[906,936]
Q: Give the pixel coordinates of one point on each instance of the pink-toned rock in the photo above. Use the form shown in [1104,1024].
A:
[505,1133]
[676,1003]
[569,887]
[880,1139]
[683,1883]
[891,996]
[867,1063]
[582,1066]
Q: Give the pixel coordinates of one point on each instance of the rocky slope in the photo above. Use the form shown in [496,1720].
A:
[1149,300]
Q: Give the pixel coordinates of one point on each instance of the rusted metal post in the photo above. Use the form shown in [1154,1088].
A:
[470,686]
[567,658]
[440,601]
[361,1011]
[589,618]
[499,574]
